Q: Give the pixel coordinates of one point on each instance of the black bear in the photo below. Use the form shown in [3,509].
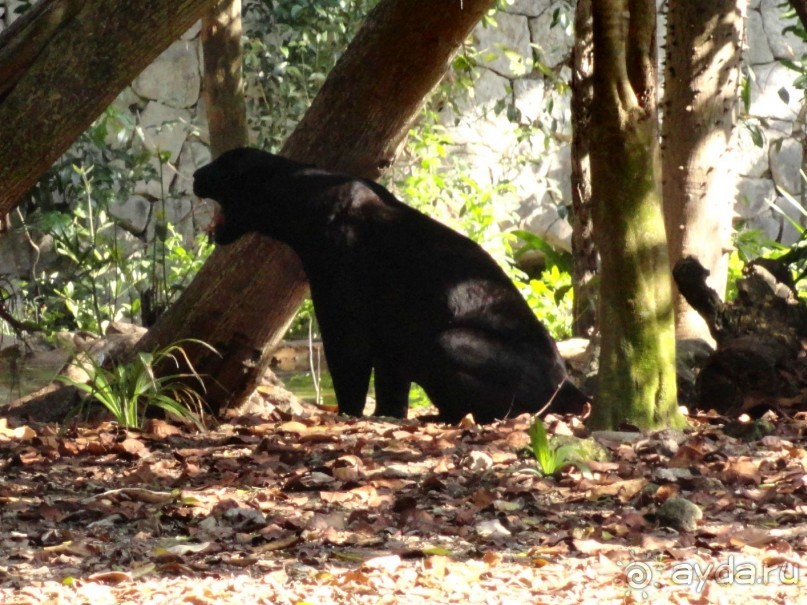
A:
[394,291]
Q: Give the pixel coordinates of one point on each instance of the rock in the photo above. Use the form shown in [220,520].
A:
[193,31]
[755,197]
[477,461]
[489,88]
[757,50]
[132,214]
[616,436]
[193,155]
[547,223]
[165,128]
[785,162]
[506,48]
[782,45]
[773,94]
[529,98]
[573,350]
[690,355]
[120,125]
[680,514]
[164,131]
[492,529]
[672,475]
[173,78]
[553,42]
[748,158]
[530,8]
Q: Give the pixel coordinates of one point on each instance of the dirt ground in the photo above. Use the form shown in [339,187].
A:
[313,508]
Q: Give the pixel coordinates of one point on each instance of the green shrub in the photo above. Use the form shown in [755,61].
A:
[552,458]
[129,390]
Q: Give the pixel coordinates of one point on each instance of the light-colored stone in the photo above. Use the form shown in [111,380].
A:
[17,256]
[194,154]
[790,211]
[757,49]
[489,88]
[785,162]
[773,94]
[754,196]
[121,124]
[132,214]
[747,158]
[193,31]
[178,212]
[485,130]
[164,130]
[506,48]
[560,175]
[783,46]
[173,78]
[529,98]
[200,126]
[553,43]
[547,223]
[530,8]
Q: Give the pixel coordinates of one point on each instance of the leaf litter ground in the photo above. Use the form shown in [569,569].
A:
[314,508]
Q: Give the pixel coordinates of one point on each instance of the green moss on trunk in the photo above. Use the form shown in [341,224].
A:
[637,364]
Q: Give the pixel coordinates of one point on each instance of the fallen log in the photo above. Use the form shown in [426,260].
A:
[760,360]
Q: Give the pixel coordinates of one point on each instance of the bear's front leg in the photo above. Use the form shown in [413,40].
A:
[349,362]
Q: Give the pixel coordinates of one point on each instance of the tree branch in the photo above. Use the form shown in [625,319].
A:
[23,40]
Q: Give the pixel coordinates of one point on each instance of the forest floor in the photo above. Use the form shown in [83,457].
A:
[312,508]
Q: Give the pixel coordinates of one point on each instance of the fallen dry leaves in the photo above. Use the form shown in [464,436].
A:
[321,509]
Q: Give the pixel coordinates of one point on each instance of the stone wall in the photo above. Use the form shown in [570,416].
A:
[514,126]
[491,141]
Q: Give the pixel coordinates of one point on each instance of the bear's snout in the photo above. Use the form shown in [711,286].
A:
[202,187]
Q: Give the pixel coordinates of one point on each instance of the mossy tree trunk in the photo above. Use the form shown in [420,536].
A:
[637,363]
[246,294]
[701,93]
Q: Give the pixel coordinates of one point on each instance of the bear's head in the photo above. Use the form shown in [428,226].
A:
[244,182]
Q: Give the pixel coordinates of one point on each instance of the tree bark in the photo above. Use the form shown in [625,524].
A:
[584,251]
[23,41]
[637,363]
[800,7]
[701,93]
[75,76]
[223,85]
[759,363]
[244,297]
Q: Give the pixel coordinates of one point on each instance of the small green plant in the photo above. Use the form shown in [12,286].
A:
[128,390]
[551,458]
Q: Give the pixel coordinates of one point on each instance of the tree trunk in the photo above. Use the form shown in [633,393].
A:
[223,85]
[701,92]
[244,297]
[23,41]
[637,361]
[72,78]
[584,252]
[800,8]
